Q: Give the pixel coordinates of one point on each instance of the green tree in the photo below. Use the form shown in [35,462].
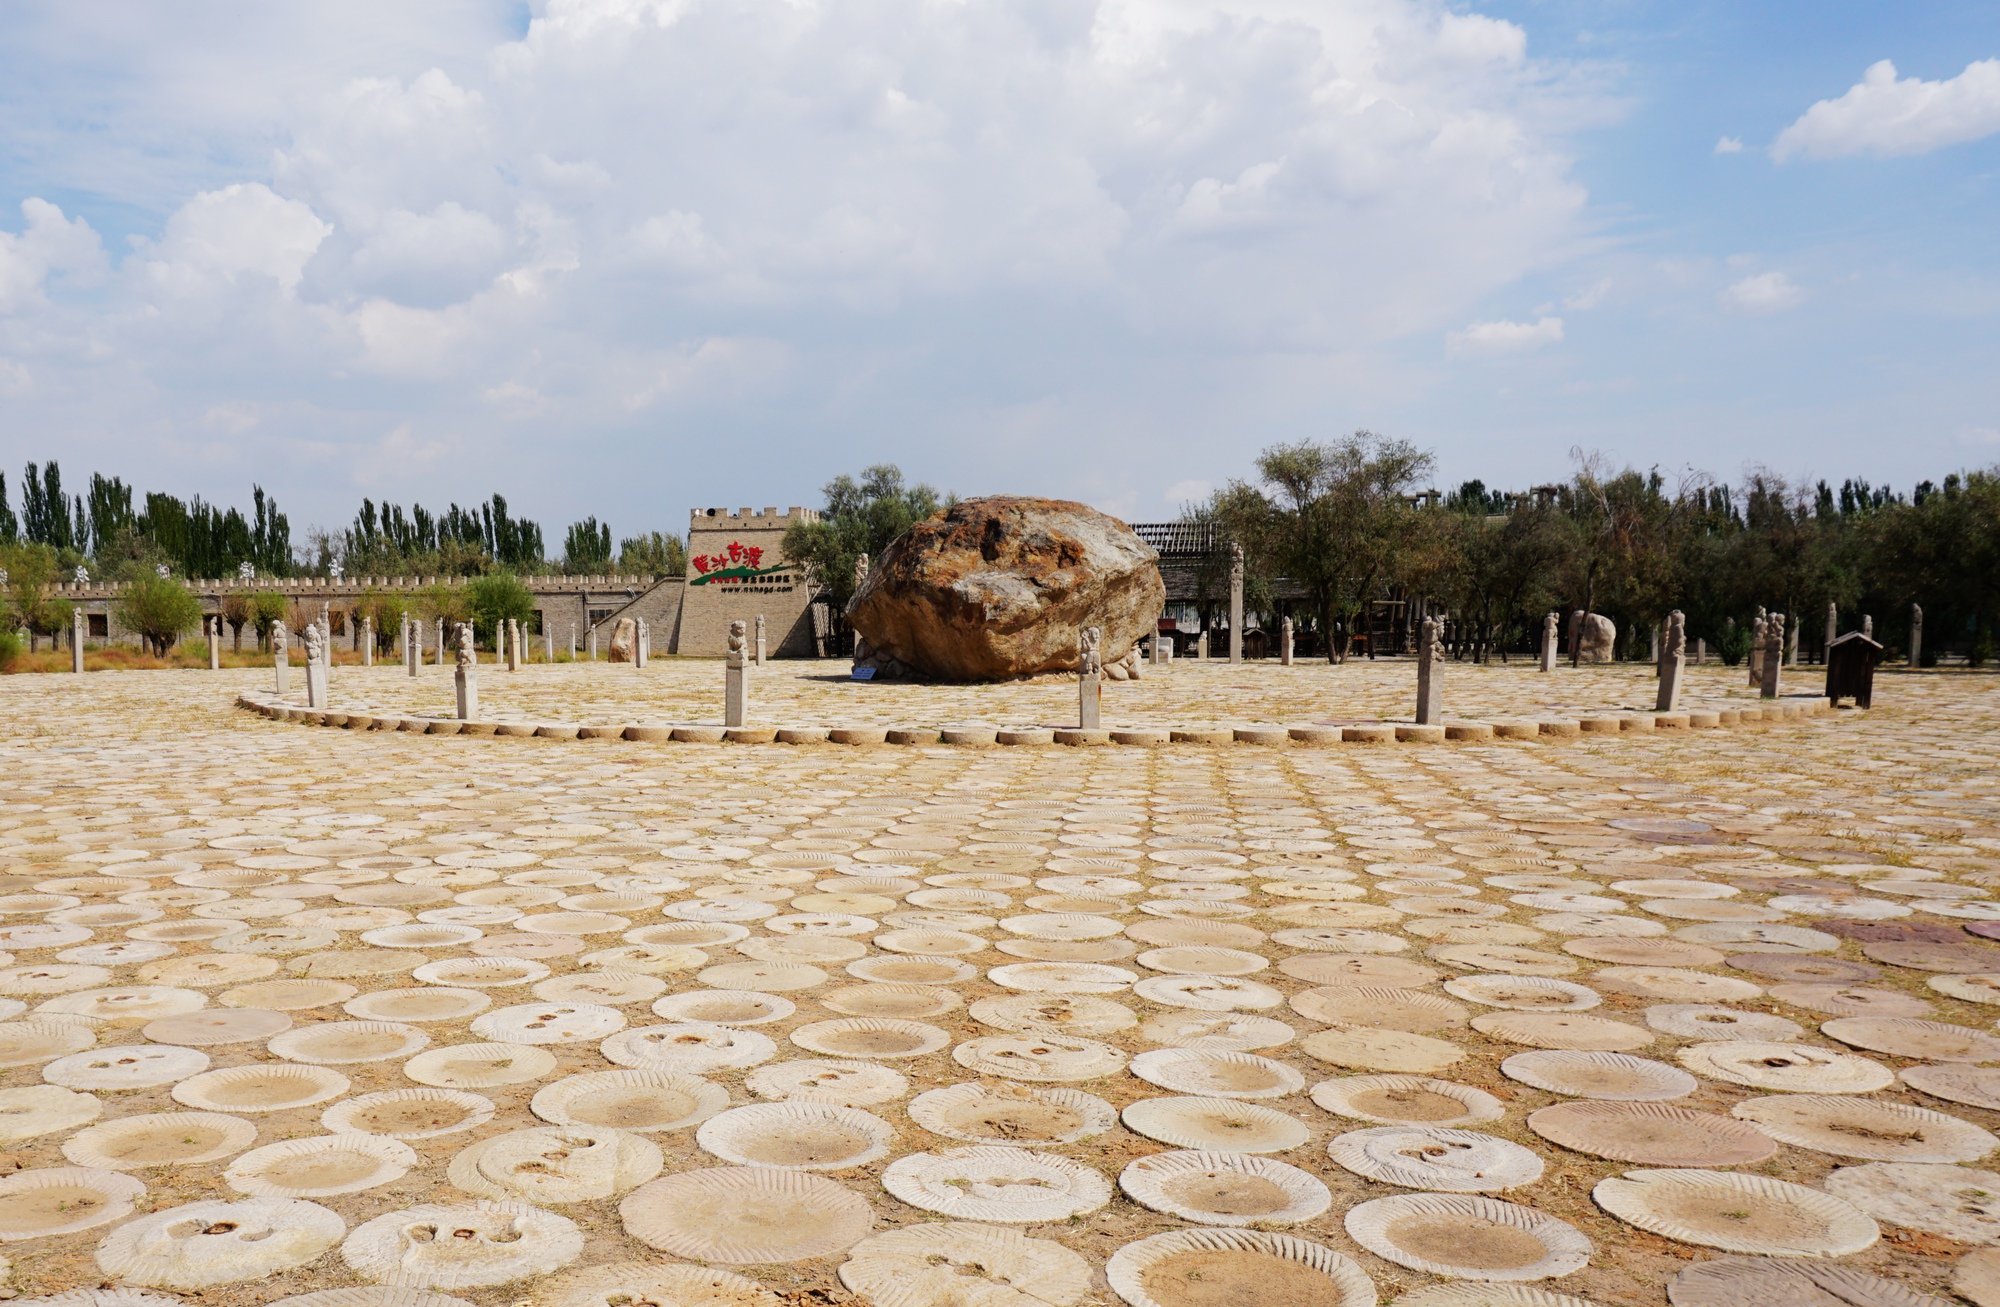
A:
[587,548]
[1332,518]
[384,611]
[238,606]
[494,599]
[655,553]
[33,571]
[448,603]
[160,609]
[267,609]
[860,517]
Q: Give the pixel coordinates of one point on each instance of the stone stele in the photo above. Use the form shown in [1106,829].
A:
[997,588]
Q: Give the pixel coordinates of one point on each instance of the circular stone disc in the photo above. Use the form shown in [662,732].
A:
[1225,1188]
[267,1088]
[205,1243]
[1232,1032]
[320,1166]
[1209,993]
[1732,1281]
[1382,1009]
[878,1000]
[1862,1127]
[57,1200]
[1953,1201]
[1039,1057]
[813,1080]
[425,1003]
[566,1164]
[1184,1268]
[1217,1075]
[409,1113]
[338,1043]
[1056,1015]
[1504,958]
[725,1006]
[1489,1295]
[1737,1213]
[1617,1077]
[235,1025]
[983,1113]
[462,1247]
[1370,969]
[24,1043]
[126,1066]
[739,1215]
[1577,1030]
[1642,952]
[1524,993]
[1433,1157]
[548,1023]
[1215,1125]
[796,1135]
[1467,1237]
[1652,1134]
[1365,1049]
[1062,977]
[668,1284]
[1973,1086]
[911,969]
[643,1101]
[870,1037]
[690,1046]
[1796,970]
[1852,1000]
[1707,1021]
[133,1143]
[1674,985]
[1974,988]
[479,1066]
[1760,939]
[1929,1041]
[1791,1068]
[952,1261]
[813,950]
[1407,1100]
[1923,955]
[1007,1185]
[287,995]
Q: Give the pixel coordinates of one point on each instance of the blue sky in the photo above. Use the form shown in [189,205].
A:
[625,257]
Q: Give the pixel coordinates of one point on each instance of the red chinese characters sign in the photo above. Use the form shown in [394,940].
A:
[738,562]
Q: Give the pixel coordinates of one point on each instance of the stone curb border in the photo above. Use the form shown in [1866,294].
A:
[1548,729]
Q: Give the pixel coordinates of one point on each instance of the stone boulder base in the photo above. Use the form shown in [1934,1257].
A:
[1600,633]
[999,588]
[624,639]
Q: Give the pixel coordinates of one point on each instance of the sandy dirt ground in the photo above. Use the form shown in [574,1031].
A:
[1349,894]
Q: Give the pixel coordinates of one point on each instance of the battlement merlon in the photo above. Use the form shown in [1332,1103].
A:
[722,519]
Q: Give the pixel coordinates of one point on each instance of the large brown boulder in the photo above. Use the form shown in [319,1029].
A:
[997,588]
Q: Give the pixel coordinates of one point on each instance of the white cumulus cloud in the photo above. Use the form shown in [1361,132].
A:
[635,222]
[48,243]
[1763,292]
[1487,339]
[242,230]
[1885,115]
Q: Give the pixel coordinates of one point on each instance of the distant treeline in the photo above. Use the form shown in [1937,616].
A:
[103,532]
[1329,529]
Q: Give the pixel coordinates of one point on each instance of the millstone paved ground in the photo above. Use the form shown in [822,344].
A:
[154,778]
